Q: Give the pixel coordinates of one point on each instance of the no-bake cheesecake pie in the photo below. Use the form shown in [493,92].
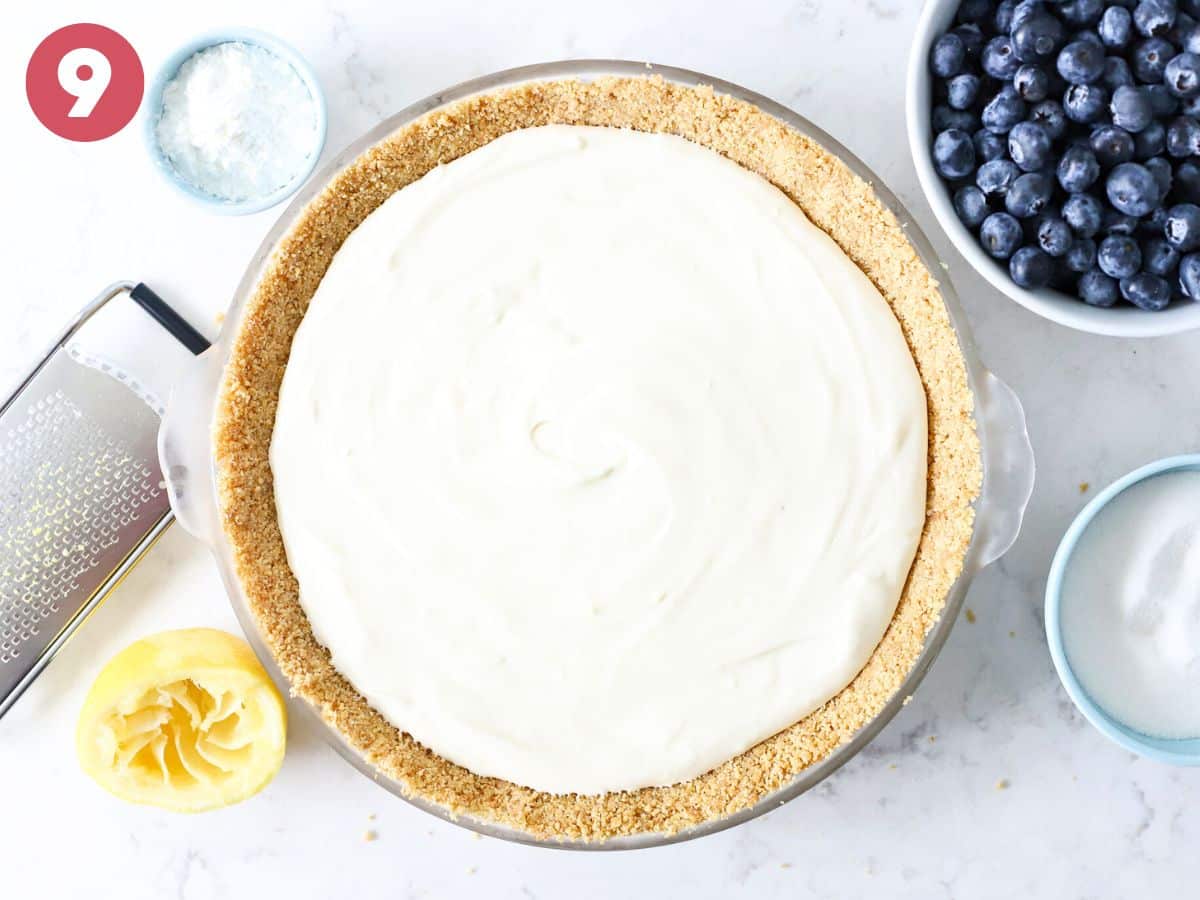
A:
[596,456]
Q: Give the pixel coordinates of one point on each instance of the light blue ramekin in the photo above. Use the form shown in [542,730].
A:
[1185,752]
[152,109]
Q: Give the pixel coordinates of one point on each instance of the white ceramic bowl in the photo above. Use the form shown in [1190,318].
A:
[1121,320]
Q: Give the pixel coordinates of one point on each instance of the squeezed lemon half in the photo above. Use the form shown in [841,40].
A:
[185,720]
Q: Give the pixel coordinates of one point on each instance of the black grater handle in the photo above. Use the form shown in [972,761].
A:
[173,322]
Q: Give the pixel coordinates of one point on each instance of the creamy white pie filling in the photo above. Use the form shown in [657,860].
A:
[597,463]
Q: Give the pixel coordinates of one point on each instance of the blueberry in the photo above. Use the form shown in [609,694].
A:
[1112,145]
[1082,255]
[1081,62]
[1021,12]
[1182,75]
[1189,275]
[1154,17]
[1031,268]
[953,154]
[971,205]
[1191,41]
[1032,83]
[1054,237]
[1028,195]
[962,90]
[1097,289]
[1004,110]
[1152,224]
[1029,227]
[1119,256]
[1003,16]
[947,56]
[1077,169]
[1183,137]
[1184,25]
[1000,235]
[1161,170]
[974,10]
[1132,189]
[1081,12]
[972,38]
[1037,38]
[1084,103]
[1149,59]
[1116,26]
[1084,213]
[944,118]
[1162,101]
[1150,141]
[1116,73]
[1049,114]
[1190,106]
[1131,108]
[989,146]
[999,59]
[1146,291]
[1159,257]
[1113,222]
[995,176]
[1182,227]
[1029,146]
[1187,181]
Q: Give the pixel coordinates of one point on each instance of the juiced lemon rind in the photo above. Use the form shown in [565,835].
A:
[184,720]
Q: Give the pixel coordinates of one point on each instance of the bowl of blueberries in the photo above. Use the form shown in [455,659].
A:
[1058,144]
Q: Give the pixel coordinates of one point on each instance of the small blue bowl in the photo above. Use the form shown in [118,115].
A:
[1185,752]
[153,109]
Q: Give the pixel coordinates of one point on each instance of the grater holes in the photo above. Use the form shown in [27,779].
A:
[67,490]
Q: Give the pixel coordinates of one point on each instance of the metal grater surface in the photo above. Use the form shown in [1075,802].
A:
[81,499]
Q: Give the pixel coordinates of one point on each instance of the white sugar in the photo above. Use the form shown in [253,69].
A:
[237,122]
[1131,606]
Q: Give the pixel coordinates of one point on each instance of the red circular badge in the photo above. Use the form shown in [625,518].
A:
[84,82]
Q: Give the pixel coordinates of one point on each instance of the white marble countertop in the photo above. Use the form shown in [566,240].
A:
[988,784]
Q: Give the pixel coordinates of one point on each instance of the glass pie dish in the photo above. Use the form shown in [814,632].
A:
[186,445]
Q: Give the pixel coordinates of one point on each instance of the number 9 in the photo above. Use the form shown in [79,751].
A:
[87,92]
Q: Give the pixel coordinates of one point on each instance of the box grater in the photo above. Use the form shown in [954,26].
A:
[81,492]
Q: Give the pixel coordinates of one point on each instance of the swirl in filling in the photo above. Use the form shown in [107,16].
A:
[596,462]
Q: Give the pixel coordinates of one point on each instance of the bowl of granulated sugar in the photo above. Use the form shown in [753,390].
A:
[235,121]
[1123,611]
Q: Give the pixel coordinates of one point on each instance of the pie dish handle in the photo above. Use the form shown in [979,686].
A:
[185,446]
[1008,469]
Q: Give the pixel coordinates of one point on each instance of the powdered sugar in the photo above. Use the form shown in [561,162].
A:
[237,121]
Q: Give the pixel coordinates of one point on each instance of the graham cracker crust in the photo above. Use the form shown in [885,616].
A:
[835,199]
